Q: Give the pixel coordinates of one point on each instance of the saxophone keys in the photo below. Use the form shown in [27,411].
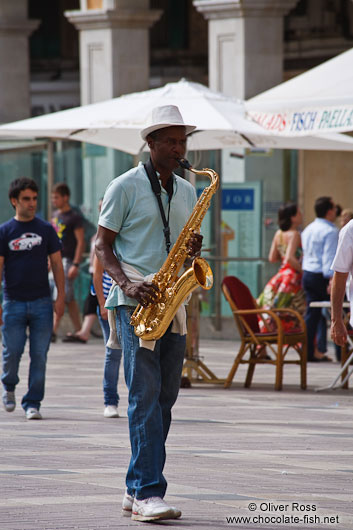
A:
[140,329]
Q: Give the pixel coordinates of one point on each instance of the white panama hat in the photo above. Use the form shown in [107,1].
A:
[166,116]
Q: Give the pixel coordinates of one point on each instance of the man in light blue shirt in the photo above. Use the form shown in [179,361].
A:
[139,242]
[319,240]
[131,245]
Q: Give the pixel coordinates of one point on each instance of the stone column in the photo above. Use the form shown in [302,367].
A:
[114,47]
[245,44]
[114,60]
[15,28]
[246,58]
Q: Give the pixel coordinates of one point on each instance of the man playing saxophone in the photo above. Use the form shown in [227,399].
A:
[132,243]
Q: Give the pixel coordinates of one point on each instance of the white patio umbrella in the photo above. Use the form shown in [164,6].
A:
[116,123]
[317,101]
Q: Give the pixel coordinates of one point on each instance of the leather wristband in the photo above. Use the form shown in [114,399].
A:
[76,264]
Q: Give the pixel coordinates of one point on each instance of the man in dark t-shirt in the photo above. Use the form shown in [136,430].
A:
[26,242]
[69,227]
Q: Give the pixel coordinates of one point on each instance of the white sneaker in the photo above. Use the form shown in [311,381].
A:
[152,509]
[127,503]
[33,414]
[9,401]
[111,411]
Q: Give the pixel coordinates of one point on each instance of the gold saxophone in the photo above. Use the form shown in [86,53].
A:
[152,322]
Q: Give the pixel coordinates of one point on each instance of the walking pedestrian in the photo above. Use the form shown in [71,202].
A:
[26,242]
[102,283]
[68,224]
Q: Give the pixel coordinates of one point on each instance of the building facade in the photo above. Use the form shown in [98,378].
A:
[59,54]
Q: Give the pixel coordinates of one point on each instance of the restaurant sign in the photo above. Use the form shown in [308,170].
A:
[306,120]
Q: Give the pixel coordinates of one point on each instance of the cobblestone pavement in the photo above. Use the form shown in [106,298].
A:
[282,459]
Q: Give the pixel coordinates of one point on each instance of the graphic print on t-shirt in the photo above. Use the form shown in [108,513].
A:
[59,227]
[26,241]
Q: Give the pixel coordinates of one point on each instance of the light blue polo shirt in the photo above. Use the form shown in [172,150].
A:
[319,241]
[130,209]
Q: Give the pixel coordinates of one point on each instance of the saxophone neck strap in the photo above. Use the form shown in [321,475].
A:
[157,190]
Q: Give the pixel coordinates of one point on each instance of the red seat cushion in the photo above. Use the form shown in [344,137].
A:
[294,331]
[243,299]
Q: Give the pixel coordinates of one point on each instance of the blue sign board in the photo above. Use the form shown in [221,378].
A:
[238,199]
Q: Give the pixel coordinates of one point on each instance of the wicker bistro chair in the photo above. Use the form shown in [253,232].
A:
[246,314]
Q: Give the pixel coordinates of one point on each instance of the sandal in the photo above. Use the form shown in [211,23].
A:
[74,338]
[323,359]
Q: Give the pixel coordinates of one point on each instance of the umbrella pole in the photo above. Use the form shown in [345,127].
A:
[218,250]
[50,169]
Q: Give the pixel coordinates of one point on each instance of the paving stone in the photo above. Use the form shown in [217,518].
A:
[286,452]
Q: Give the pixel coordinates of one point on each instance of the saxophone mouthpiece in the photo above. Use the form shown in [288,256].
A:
[185,164]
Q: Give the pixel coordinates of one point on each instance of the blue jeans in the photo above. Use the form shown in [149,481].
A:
[37,315]
[111,367]
[321,337]
[153,380]
[315,287]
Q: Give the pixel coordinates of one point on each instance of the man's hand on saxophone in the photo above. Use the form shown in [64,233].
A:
[195,244]
[145,293]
